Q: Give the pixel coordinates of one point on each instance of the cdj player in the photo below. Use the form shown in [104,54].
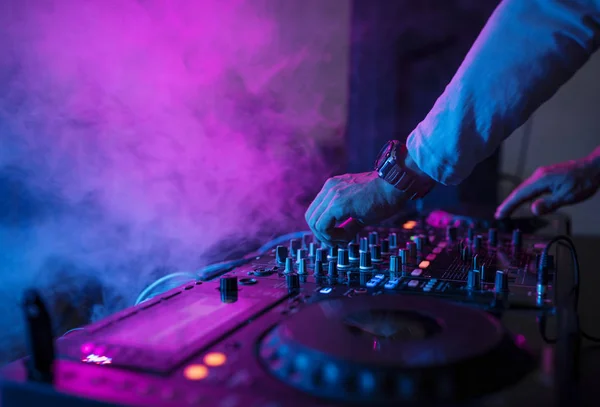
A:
[435,312]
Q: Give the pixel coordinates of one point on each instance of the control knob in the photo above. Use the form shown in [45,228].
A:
[281,252]
[333,253]
[420,242]
[474,280]
[353,251]
[300,254]
[343,260]
[403,254]
[393,238]
[476,264]
[411,247]
[318,268]
[385,246]
[292,281]
[228,285]
[289,265]
[312,249]
[364,244]
[373,238]
[302,266]
[394,264]
[332,269]
[321,255]
[295,244]
[477,240]
[376,253]
[365,261]
[501,282]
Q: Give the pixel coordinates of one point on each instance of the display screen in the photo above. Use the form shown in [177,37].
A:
[173,327]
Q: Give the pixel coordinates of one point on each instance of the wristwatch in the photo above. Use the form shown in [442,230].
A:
[391,167]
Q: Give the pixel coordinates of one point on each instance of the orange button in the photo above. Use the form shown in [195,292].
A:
[195,372]
[424,264]
[215,359]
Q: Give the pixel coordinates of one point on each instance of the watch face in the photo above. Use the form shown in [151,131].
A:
[384,154]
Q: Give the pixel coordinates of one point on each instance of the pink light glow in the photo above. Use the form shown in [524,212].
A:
[97,359]
[145,133]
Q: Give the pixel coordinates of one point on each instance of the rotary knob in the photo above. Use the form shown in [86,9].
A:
[393,238]
[376,253]
[333,253]
[501,282]
[420,243]
[312,249]
[411,247]
[474,280]
[318,268]
[295,244]
[403,254]
[281,252]
[292,281]
[228,285]
[300,255]
[289,265]
[385,246]
[353,251]
[364,244]
[394,264]
[321,255]
[477,240]
[302,266]
[373,238]
[343,260]
[365,261]
[332,269]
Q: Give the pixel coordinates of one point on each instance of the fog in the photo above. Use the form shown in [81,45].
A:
[143,137]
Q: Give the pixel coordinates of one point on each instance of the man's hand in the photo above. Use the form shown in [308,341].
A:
[563,184]
[364,197]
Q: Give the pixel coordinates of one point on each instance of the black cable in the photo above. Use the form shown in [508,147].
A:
[566,241]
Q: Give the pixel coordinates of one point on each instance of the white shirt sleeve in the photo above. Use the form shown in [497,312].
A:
[525,53]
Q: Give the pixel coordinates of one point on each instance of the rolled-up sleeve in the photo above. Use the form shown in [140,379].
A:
[526,52]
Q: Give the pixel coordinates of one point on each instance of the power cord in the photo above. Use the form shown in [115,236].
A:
[567,242]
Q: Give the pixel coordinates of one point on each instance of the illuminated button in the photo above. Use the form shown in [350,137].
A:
[424,264]
[373,283]
[427,288]
[393,283]
[413,238]
[416,272]
[437,250]
[326,290]
[215,359]
[195,372]
[379,277]
[430,257]
[442,244]
[413,283]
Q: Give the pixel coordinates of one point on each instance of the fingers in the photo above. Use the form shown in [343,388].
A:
[531,188]
[549,204]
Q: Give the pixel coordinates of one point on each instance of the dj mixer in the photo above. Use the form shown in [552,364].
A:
[427,313]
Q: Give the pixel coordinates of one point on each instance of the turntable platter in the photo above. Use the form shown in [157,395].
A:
[388,349]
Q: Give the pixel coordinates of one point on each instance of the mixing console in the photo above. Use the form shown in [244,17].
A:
[421,315]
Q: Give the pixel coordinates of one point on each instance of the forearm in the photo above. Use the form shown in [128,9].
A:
[526,52]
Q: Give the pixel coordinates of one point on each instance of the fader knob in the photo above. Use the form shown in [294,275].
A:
[300,254]
[451,233]
[318,271]
[501,283]
[376,253]
[292,281]
[343,260]
[403,254]
[517,239]
[295,244]
[476,264]
[364,244]
[312,249]
[289,265]
[477,240]
[353,251]
[228,285]
[321,255]
[333,253]
[474,280]
[373,238]
[492,237]
[302,266]
[465,253]
[394,264]
[411,247]
[365,261]
[385,246]
[332,269]
[393,238]
[281,252]
[486,274]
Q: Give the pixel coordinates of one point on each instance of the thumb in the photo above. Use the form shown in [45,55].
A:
[544,206]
